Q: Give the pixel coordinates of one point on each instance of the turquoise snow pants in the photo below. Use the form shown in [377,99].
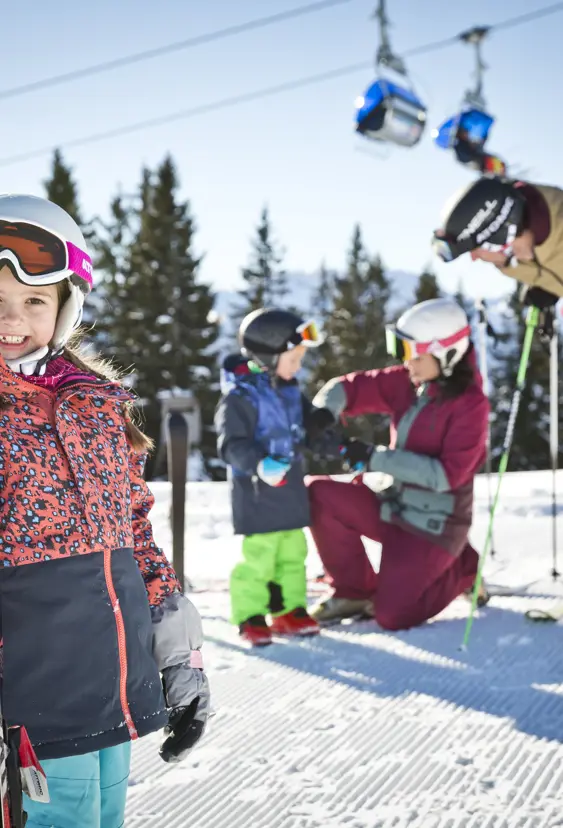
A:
[87,791]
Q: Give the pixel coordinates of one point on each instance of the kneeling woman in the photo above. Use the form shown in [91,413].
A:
[439,417]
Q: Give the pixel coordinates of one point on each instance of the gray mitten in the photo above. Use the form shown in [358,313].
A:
[178,638]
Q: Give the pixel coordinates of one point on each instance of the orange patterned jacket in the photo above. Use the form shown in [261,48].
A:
[76,626]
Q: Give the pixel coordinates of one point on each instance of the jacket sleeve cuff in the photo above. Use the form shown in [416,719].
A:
[177,633]
[332,396]
[409,467]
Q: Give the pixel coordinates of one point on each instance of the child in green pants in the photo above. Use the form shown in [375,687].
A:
[261,425]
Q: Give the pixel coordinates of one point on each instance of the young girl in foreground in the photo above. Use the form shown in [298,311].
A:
[91,610]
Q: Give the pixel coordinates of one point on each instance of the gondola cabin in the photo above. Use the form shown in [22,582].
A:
[390,112]
[470,126]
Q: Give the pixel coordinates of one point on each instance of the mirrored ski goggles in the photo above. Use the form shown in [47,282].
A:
[403,348]
[307,334]
[40,257]
[447,249]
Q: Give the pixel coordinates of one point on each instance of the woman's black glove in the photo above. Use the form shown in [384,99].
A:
[538,297]
[356,454]
[317,422]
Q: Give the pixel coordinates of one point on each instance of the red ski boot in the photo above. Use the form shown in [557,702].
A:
[297,622]
[256,631]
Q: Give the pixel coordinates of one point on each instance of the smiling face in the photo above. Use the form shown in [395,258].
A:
[28,315]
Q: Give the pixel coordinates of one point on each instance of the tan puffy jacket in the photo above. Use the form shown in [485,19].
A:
[548,274]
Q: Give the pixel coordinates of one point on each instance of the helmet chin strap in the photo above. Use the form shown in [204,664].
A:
[69,318]
[33,364]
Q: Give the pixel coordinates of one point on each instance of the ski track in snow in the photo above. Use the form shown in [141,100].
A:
[359,728]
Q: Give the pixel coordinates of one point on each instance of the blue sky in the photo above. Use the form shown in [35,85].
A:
[297,152]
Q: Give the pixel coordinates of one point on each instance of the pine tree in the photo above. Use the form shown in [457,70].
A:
[162,321]
[322,301]
[355,330]
[427,287]
[265,282]
[464,301]
[468,305]
[61,187]
[111,266]
[530,446]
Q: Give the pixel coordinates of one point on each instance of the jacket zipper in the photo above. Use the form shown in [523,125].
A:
[118,615]
[121,645]
[294,443]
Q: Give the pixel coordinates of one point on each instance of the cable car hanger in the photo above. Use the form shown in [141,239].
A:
[389,111]
[467,131]
[474,97]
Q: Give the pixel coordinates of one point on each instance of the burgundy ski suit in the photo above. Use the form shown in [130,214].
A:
[423,519]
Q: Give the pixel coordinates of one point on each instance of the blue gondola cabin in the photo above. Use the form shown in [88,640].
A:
[391,113]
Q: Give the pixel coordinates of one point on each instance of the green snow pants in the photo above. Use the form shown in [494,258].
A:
[271,576]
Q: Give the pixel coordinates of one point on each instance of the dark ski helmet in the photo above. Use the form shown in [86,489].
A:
[489,213]
[266,333]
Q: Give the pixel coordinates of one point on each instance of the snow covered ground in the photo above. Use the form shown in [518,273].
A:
[360,728]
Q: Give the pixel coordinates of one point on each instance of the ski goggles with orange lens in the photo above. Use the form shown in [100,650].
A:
[307,334]
[40,257]
[403,348]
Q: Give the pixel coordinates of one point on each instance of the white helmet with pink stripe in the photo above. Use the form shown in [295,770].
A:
[438,326]
[43,245]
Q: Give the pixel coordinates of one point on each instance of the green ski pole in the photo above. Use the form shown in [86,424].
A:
[532,319]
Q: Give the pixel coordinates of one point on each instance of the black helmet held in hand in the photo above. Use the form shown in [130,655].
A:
[488,213]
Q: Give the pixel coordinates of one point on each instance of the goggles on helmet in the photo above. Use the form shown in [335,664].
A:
[306,334]
[446,249]
[40,257]
[404,348]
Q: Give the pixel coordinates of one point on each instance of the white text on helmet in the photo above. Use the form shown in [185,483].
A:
[477,220]
[87,266]
[497,223]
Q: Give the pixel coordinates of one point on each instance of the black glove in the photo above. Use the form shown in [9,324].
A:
[356,454]
[182,732]
[538,297]
[317,422]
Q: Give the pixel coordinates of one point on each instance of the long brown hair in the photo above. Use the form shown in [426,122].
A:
[461,378]
[103,369]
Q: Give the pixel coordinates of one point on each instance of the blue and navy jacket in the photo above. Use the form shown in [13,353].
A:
[259,416]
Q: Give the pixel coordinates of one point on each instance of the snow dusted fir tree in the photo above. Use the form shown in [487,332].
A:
[321,309]
[530,447]
[465,302]
[61,188]
[355,329]
[159,314]
[264,279]
[427,287]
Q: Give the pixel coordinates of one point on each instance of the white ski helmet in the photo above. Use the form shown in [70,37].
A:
[43,245]
[438,326]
